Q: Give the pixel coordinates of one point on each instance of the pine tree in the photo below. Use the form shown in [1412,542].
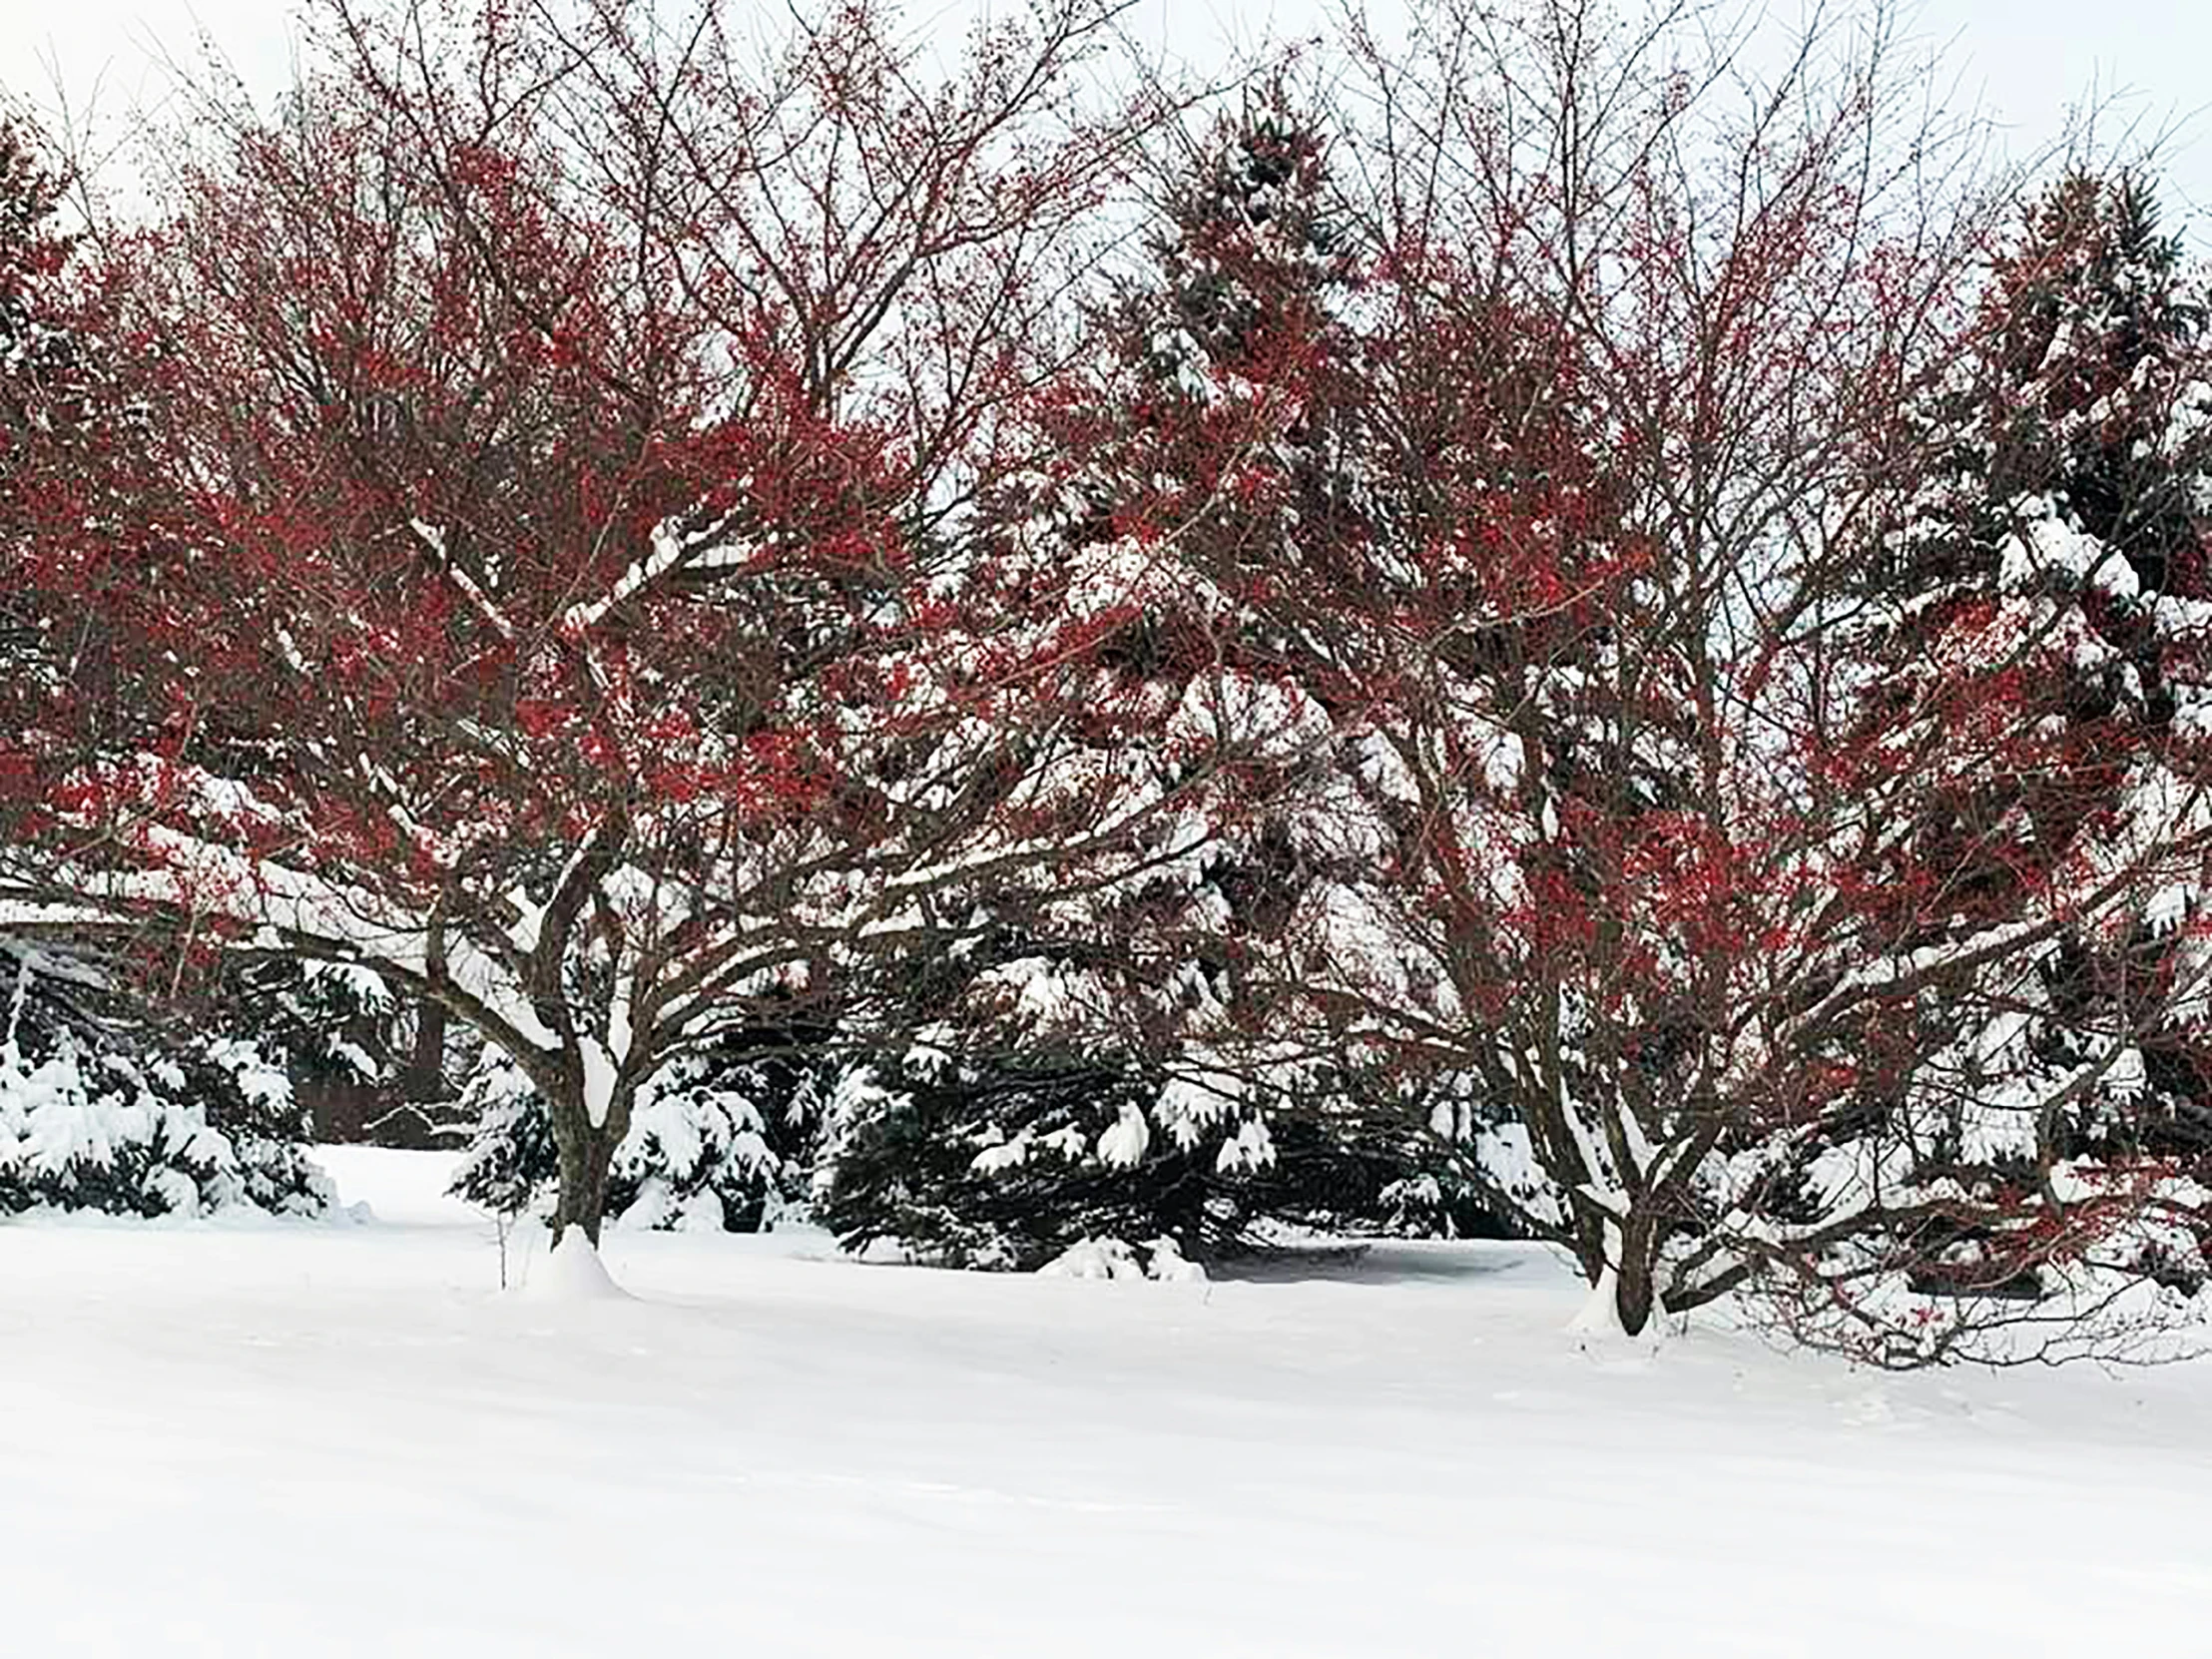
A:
[368,1064]
[1073,1081]
[103,1109]
[2058,572]
[36,352]
[721,1140]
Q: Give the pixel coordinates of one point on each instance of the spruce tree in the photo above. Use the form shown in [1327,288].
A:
[104,1108]
[2067,538]
[1069,1085]
[722,1140]
[36,354]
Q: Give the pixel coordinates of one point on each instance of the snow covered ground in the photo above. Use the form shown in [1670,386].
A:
[301,1440]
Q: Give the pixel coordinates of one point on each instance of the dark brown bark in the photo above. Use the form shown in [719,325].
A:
[1635,1285]
[424,1079]
[586,1152]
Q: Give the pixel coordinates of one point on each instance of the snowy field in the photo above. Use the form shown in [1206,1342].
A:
[303,1441]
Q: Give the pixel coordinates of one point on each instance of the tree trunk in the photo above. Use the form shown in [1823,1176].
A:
[424,1081]
[1635,1287]
[586,1151]
[1623,1271]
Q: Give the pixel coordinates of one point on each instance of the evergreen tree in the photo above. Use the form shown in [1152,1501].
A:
[1071,1084]
[367,1063]
[101,1109]
[36,355]
[2057,571]
[35,350]
[721,1140]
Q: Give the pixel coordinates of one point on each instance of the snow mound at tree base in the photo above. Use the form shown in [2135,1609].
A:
[572,1271]
[1162,1260]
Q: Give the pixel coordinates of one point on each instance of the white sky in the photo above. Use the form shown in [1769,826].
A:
[2027,61]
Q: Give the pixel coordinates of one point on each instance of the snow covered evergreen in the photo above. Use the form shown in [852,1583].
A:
[1071,1081]
[101,1112]
[717,1140]
[2065,556]
[371,1064]
[996,1167]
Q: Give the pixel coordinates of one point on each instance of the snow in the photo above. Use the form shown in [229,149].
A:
[1163,1261]
[434,539]
[1122,1144]
[601,1074]
[574,1273]
[1094,1259]
[260,1438]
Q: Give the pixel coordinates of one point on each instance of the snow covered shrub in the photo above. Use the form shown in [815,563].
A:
[716,1140]
[98,1114]
[1010,1161]
[510,1160]
[1009,1164]
[370,1063]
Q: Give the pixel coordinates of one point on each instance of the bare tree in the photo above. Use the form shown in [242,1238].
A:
[1659,861]
[539,569]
